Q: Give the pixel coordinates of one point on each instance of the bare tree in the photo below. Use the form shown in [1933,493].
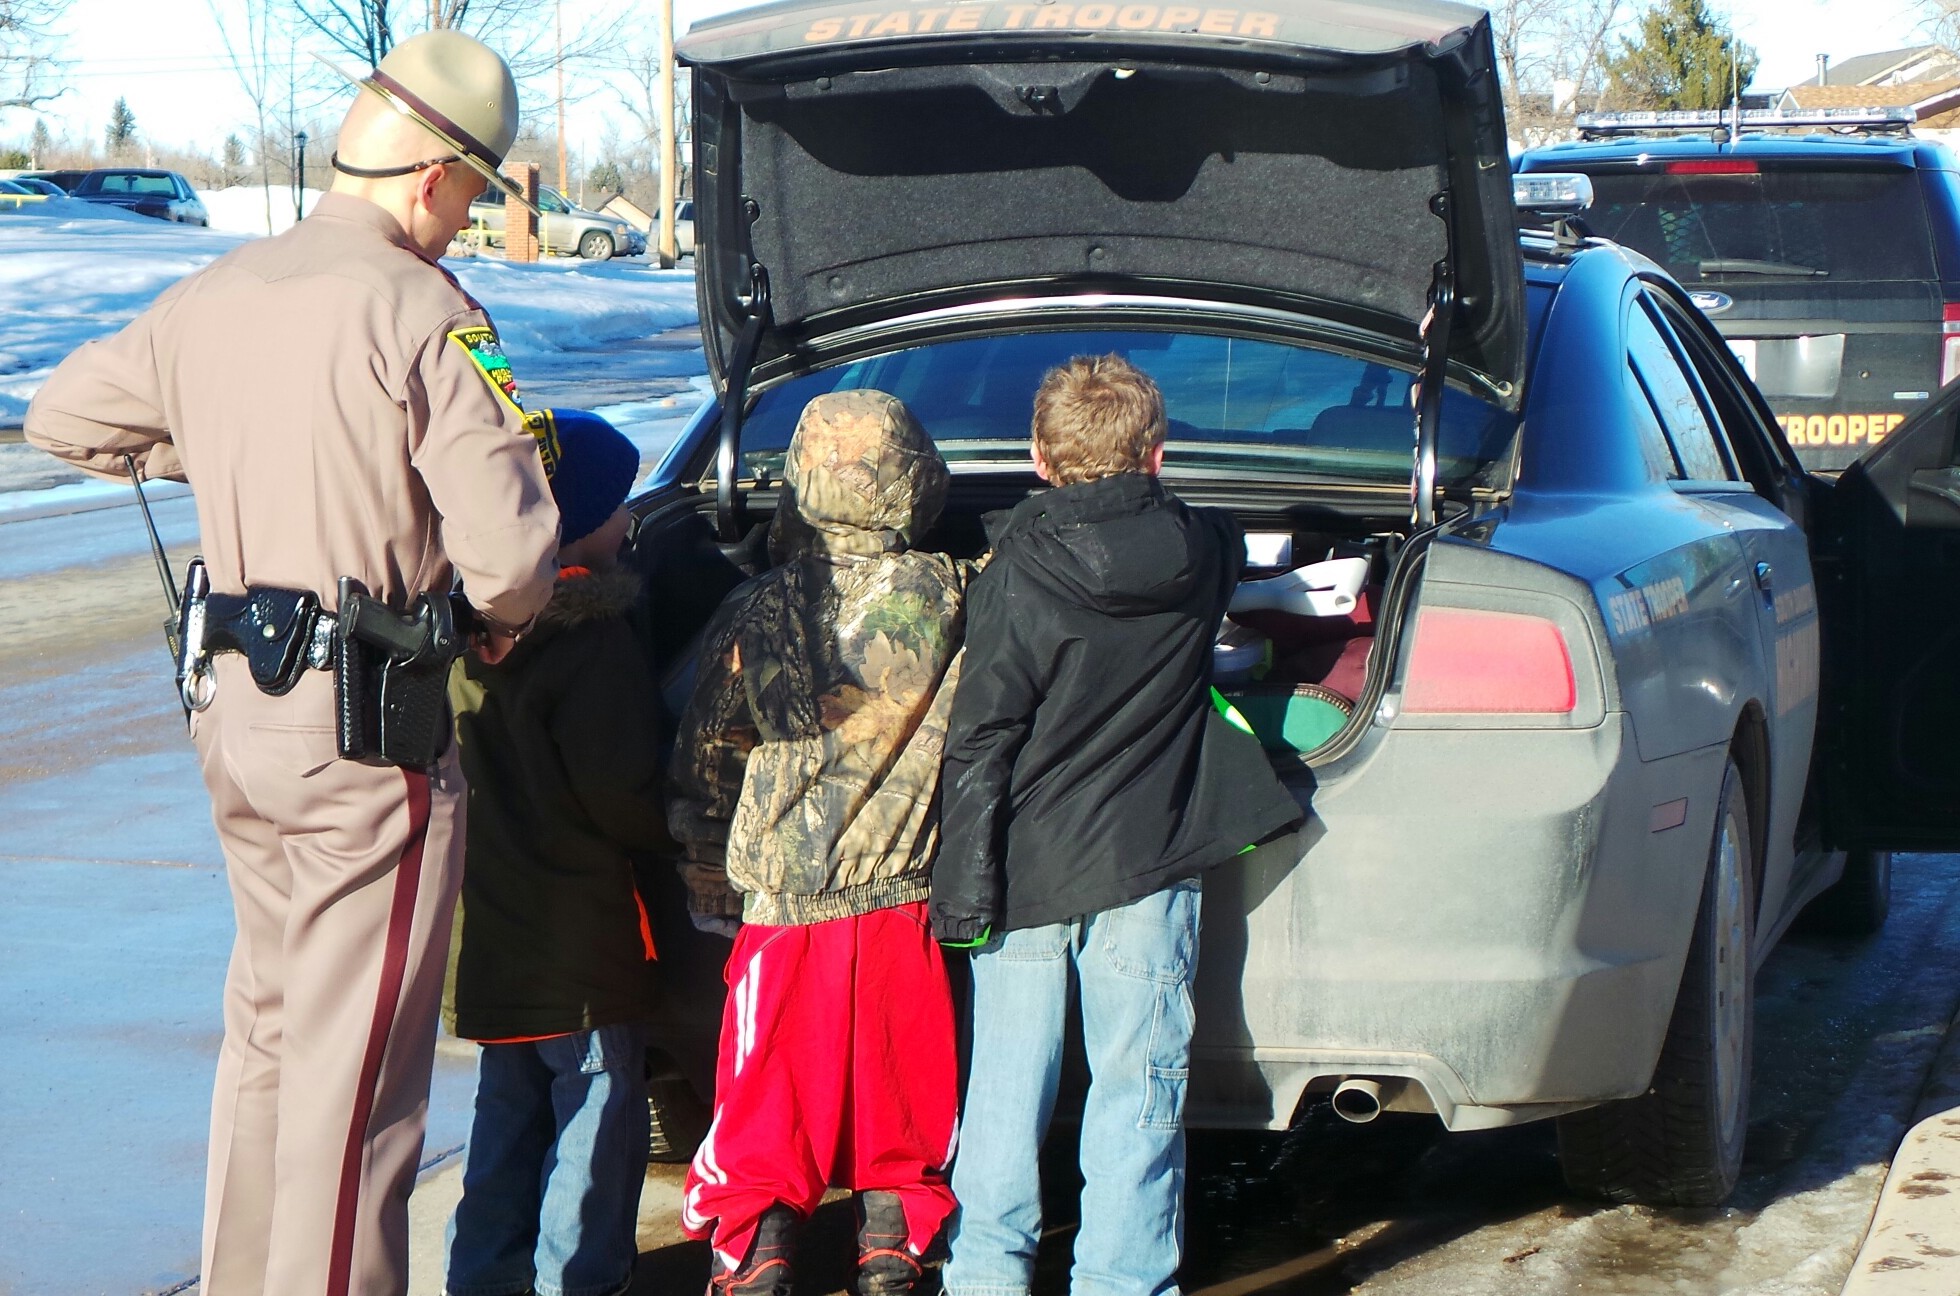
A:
[251,30]
[29,73]
[1551,60]
[520,29]
[637,85]
[1941,21]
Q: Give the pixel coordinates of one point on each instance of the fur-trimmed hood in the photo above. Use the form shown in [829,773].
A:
[591,596]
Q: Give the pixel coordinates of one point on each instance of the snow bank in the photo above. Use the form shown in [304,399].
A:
[242,208]
[70,272]
[568,305]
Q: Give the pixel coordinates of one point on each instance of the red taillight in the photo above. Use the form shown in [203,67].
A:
[1950,343]
[1713,166]
[1488,663]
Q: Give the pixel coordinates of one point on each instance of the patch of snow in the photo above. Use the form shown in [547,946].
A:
[242,209]
[77,271]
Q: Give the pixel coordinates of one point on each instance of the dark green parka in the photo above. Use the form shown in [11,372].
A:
[560,746]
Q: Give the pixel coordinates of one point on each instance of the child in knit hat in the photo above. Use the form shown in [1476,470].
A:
[554,966]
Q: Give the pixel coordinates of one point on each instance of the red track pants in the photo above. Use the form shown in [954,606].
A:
[838,1067]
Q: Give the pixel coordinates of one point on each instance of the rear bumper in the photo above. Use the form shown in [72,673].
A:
[1488,914]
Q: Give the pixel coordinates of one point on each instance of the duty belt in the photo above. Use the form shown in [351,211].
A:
[390,669]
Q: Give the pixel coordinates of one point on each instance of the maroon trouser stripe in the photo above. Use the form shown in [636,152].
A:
[394,968]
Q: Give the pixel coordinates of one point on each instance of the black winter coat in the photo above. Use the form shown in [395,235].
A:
[1085,764]
[560,747]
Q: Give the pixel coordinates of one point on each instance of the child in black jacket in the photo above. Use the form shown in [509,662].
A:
[1089,782]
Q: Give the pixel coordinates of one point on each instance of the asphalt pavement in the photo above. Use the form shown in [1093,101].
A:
[116,923]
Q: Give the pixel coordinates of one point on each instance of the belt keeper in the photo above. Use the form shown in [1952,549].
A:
[319,647]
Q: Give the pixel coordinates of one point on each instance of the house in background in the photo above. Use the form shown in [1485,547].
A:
[1923,78]
[1915,64]
[631,212]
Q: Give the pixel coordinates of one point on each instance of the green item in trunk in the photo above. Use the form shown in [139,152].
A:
[1292,718]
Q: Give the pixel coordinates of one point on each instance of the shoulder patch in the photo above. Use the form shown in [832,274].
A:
[486,352]
[544,426]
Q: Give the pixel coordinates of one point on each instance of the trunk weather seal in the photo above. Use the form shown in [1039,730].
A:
[729,512]
[1434,334]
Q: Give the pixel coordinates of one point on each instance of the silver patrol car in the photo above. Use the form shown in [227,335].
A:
[1556,741]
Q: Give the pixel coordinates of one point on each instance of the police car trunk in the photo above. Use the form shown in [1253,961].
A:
[1296,218]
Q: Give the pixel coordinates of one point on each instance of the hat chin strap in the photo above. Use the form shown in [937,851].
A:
[388,173]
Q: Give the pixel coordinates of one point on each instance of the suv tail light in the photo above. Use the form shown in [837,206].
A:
[1949,342]
[1470,661]
[1713,166]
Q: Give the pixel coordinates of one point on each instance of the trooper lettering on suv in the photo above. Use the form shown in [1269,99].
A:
[1838,429]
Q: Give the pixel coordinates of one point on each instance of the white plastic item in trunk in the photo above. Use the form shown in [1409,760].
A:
[1318,590]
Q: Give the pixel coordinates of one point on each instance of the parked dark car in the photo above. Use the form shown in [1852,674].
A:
[1567,803]
[1831,262]
[162,194]
[62,180]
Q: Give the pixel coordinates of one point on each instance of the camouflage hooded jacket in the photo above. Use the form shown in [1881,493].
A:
[806,771]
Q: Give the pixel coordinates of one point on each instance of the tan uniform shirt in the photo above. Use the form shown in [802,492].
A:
[340,407]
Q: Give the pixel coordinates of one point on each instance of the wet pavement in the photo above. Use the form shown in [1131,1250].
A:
[116,924]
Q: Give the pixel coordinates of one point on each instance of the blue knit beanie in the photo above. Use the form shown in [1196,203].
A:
[596,468]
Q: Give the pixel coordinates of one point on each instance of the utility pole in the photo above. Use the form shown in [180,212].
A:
[558,22]
[667,151]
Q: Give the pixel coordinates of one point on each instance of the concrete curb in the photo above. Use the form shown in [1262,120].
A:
[1913,1245]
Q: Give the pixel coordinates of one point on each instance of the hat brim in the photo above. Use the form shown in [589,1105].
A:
[465,149]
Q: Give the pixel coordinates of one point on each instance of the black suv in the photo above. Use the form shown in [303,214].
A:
[1830,262]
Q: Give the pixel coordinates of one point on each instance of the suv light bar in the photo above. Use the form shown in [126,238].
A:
[1596,125]
[1552,192]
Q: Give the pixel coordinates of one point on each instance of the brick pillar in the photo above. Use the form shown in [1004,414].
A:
[520,222]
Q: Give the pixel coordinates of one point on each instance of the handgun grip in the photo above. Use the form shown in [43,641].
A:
[370,621]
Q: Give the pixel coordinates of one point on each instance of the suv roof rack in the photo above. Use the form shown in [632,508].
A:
[1603,125]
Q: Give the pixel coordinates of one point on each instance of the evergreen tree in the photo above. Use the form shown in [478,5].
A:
[122,129]
[606,178]
[232,160]
[41,145]
[1680,57]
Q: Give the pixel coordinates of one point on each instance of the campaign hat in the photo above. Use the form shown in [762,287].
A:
[459,90]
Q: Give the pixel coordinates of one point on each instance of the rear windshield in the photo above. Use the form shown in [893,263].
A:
[1776,225]
[1232,403]
[119,182]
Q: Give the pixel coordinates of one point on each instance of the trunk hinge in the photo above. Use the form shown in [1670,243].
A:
[730,515]
[1434,334]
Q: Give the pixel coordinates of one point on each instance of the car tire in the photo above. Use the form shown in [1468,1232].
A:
[677,1119]
[1857,903]
[595,245]
[1680,1143]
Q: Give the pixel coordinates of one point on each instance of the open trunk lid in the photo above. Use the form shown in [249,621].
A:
[862,164]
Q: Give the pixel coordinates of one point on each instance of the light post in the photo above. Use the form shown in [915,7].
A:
[299,178]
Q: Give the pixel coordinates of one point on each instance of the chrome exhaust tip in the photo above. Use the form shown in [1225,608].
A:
[1358,1100]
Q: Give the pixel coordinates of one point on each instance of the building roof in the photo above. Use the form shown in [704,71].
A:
[1907,94]
[1860,68]
[1937,102]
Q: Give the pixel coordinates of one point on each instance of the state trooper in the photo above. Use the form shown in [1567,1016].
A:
[344,414]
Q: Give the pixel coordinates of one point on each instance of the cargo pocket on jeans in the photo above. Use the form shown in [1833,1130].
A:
[1163,1097]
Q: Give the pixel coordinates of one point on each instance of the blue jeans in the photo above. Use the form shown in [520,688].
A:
[1134,964]
[551,1182]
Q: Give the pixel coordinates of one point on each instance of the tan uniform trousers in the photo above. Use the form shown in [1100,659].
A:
[344,875]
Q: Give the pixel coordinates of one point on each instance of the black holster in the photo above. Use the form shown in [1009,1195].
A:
[391,677]
[273,628]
